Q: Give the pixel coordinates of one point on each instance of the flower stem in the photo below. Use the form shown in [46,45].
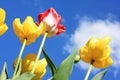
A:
[88,72]
[39,52]
[19,58]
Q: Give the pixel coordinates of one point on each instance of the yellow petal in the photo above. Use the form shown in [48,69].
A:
[93,42]
[39,30]
[28,63]
[106,51]
[2,16]
[29,25]
[97,53]
[41,66]
[39,77]
[3,29]
[43,73]
[103,63]
[34,34]
[85,55]
[104,42]
[18,28]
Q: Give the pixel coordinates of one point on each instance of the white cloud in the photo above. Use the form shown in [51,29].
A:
[88,28]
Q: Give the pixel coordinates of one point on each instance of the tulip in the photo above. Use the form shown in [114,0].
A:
[97,52]
[51,27]
[3,26]
[52,22]
[27,65]
[27,30]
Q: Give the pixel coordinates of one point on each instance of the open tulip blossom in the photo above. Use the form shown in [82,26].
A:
[27,65]
[52,22]
[97,52]
[3,26]
[27,30]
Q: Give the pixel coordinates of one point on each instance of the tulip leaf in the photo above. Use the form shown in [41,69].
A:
[64,70]
[18,70]
[25,76]
[100,75]
[4,74]
[50,63]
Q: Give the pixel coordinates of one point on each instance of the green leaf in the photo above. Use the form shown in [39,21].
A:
[25,76]
[64,70]
[18,70]
[100,75]
[50,63]
[4,74]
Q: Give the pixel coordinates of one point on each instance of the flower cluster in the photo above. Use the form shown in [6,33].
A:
[96,52]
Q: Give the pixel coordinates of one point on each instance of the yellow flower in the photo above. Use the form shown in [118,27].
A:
[27,30]
[97,51]
[28,63]
[3,26]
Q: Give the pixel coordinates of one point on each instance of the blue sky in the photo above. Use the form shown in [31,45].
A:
[82,19]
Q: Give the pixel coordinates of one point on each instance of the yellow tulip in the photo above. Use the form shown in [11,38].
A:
[27,30]
[97,51]
[28,63]
[3,26]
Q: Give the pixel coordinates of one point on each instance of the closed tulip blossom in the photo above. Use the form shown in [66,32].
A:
[27,30]
[28,63]
[52,22]
[97,52]
[3,26]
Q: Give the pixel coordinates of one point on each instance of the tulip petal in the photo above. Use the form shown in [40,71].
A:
[106,40]
[85,55]
[28,63]
[2,16]
[61,29]
[29,25]
[103,63]
[93,42]
[3,29]
[18,28]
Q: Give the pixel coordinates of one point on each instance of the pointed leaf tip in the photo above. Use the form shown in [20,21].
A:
[4,74]
[50,63]
[100,75]
[64,70]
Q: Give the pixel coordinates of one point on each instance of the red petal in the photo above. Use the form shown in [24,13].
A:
[60,28]
[52,11]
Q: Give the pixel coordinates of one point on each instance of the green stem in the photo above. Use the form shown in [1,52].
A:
[88,72]
[39,52]
[19,58]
